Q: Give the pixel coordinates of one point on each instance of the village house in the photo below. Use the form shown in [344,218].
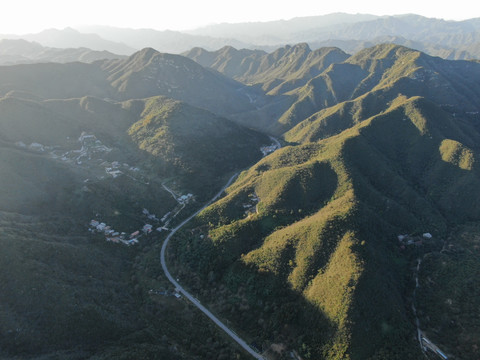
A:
[147,228]
[184,198]
[101,226]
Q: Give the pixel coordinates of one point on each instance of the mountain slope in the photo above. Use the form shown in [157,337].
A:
[23,52]
[323,236]
[194,143]
[93,296]
[68,38]
[146,73]
[150,73]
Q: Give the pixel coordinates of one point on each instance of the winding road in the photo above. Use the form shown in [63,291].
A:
[193,300]
[424,342]
[277,143]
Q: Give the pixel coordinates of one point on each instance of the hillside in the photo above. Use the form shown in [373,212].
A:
[145,74]
[24,52]
[65,162]
[323,237]
[193,143]
[150,73]
[71,38]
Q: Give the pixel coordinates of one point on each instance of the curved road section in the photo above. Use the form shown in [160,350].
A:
[194,301]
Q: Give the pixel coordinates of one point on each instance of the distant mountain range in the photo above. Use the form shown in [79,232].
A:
[26,52]
[351,33]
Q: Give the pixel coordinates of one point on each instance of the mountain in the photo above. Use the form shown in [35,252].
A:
[449,53]
[349,32]
[23,52]
[168,41]
[410,26]
[193,142]
[54,81]
[302,82]
[67,161]
[149,73]
[304,251]
[277,32]
[357,239]
[352,33]
[385,71]
[146,73]
[278,72]
[319,256]
[70,38]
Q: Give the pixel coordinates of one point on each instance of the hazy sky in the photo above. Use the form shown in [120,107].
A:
[23,16]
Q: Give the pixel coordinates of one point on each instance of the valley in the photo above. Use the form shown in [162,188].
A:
[231,204]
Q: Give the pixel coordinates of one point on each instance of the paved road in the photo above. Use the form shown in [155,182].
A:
[424,342]
[194,301]
[170,191]
[276,142]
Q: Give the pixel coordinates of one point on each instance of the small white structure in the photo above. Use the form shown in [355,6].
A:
[427,236]
[36,147]
[114,173]
[184,198]
[101,226]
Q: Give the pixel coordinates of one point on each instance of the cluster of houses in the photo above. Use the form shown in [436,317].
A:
[184,199]
[117,237]
[251,206]
[33,146]
[90,150]
[114,168]
[268,149]
[153,217]
[407,240]
[90,146]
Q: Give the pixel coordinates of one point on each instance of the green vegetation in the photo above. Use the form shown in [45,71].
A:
[301,254]
[277,73]
[448,298]
[325,231]
[94,297]
[193,143]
